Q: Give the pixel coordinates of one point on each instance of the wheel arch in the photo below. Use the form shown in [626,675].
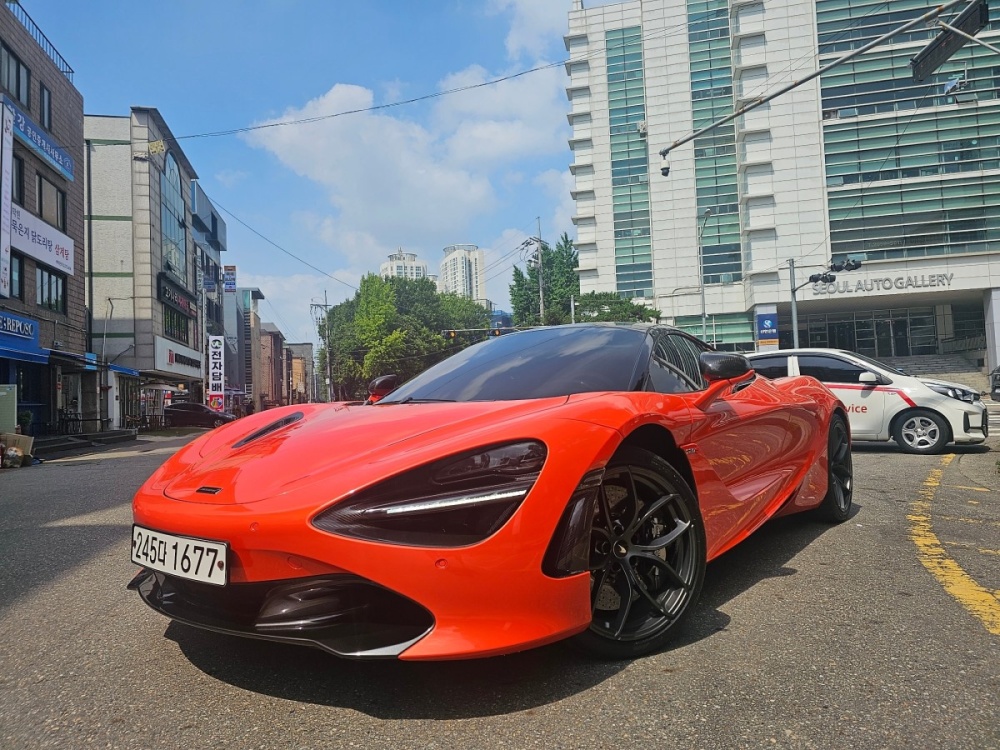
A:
[659,440]
[894,422]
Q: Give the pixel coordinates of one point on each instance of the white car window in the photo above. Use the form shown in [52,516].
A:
[829,369]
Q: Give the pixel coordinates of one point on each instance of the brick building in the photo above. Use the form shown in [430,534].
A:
[43,318]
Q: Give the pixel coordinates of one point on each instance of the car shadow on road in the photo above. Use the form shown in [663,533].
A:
[483,687]
[894,449]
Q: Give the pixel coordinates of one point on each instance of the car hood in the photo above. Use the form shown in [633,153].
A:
[350,446]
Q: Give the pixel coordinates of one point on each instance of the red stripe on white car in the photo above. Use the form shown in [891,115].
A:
[851,387]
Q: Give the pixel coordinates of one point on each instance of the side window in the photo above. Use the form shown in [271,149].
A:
[770,367]
[689,351]
[667,373]
[829,369]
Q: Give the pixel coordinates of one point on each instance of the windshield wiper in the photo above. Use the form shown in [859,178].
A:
[412,400]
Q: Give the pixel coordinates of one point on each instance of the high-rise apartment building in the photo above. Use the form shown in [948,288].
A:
[463,272]
[862,164]
[404,266]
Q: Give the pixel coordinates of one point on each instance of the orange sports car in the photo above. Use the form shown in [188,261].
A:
[564,482]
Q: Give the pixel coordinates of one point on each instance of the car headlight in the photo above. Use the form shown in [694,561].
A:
[962,394]
[455,502]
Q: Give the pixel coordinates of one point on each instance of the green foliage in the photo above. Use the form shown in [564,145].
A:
[559,284]
[391,326]
[610,307]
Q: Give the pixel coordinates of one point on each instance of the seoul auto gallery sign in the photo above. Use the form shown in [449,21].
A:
[885,284]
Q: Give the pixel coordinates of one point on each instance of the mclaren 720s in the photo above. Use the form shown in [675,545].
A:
[568,482]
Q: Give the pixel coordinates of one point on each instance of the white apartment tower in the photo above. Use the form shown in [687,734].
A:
[463,272]
[404,266]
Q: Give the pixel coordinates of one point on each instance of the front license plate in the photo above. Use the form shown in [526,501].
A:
[181,556]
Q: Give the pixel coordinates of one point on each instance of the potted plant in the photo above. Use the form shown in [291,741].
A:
[24,421]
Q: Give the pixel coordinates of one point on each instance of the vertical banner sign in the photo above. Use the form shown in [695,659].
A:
[229,278]
[6,183]
[767,331]
[216,392]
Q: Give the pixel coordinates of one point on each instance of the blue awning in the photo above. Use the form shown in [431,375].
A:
[124,370]
[41,357]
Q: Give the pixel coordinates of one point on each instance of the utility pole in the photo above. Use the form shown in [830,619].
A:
[701,272]
[541,294]
[795,309]
[325,307]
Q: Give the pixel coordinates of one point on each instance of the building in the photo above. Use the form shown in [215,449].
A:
[43,319]
[208,233]
[860,164]
[243,348]
[273,380]
[404,266]
[463,272]
[143,264]
[303,377]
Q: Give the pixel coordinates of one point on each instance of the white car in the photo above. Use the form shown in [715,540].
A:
[923,415]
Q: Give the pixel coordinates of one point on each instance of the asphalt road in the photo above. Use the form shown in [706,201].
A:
[883,632]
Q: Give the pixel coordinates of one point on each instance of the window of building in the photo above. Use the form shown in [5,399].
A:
[17,180]
[51,203]
[16,276]
[15,77]
[172,221]
[175,325]
[46,108]
[50,288]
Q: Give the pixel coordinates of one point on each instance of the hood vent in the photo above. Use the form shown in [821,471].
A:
[268,429]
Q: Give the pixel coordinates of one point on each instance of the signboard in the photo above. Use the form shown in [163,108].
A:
[6,186]
[887,284]
[39,240]
[767,330]
[36,139]
[216,391]
[177,298]
[970,21]
[229,278]
[169,356]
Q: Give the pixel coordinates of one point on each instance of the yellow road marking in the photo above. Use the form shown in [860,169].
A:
[963,487]
[967,545]
[973,521]
[979,601]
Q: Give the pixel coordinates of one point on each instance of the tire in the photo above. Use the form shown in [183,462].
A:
[836,506]
[921,431]
[647,557]
[218,423]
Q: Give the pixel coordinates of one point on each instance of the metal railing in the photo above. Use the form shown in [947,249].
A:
[43,41]
[967,344]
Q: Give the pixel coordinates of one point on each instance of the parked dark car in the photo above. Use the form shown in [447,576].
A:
[194,415]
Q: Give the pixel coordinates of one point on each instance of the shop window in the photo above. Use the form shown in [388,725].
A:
[46,107]
[175,325]
[51,203]
[50,288]
[17,180]
[16,276]
[15,76]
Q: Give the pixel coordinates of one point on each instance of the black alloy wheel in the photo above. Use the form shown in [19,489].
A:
[647,557]
[218,422]
[836,506]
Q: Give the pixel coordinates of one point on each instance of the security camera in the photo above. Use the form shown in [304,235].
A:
[665,166]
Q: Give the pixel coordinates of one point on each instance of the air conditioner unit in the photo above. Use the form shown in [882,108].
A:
[641,127]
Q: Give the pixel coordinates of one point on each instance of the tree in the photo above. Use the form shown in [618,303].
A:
[560,283]
[610,307]
[391,326]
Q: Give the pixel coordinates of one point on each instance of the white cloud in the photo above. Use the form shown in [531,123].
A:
[231,177]
[533,24]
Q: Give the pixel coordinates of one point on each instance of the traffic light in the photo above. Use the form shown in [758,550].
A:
[496,331]
[449,334]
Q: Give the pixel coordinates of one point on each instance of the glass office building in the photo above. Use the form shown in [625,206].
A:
[862,163]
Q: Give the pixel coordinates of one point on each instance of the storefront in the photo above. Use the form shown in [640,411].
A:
[25,364]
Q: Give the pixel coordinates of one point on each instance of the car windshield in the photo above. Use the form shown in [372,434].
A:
[875,362]
[539,363]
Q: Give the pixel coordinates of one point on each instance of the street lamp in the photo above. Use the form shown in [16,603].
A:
[701,271]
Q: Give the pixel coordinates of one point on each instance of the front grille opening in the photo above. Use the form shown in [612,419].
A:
[268,429]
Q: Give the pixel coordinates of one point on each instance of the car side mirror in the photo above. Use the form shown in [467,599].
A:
[717,366]
[381,387]
[873,378]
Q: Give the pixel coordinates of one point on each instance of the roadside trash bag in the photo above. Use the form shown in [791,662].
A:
[12,458]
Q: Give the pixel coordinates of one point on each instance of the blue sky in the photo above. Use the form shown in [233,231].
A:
[342,193]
